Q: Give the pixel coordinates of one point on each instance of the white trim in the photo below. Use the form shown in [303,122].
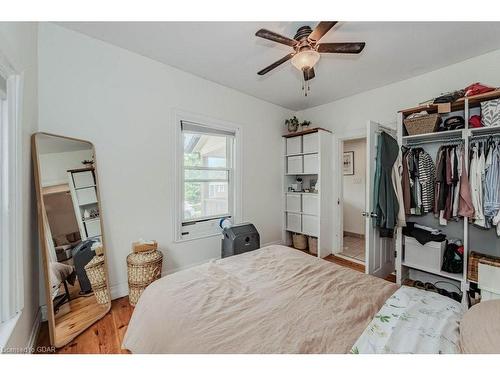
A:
[178,156]
[6,329]
[35,330]
[11,249]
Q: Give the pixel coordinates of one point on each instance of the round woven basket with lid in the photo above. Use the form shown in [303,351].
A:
[143,268]
[97,277]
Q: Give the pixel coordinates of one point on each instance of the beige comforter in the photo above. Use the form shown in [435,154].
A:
[273,300]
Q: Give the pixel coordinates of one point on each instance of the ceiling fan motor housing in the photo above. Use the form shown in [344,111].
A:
[302,33]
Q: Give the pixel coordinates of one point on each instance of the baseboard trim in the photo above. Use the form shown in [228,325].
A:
[35,330]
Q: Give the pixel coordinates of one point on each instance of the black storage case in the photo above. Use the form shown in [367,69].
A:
[239,239]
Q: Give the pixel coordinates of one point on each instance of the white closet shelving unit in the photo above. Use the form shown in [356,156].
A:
[83,191]
[474,239]
[308,155]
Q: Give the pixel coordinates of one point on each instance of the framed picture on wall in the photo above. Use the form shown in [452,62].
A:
[349,163]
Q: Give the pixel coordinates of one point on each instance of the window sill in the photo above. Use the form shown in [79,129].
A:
[200,237]
[6,329]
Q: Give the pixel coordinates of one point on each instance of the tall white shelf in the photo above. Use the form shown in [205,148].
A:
[473,238]
[82,186]
[308,155]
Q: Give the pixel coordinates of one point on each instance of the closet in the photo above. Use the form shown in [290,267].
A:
[307,188]
[450,142]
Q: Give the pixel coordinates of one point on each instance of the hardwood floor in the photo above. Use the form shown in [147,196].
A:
[106,335]
[103,337]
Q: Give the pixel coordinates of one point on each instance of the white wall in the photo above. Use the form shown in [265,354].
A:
[18,44]
[124,104]
[354,188]
[54,166]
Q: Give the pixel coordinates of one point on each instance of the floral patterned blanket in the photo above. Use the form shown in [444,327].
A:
[413,321]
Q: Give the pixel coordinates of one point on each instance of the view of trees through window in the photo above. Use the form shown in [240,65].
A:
[206,176]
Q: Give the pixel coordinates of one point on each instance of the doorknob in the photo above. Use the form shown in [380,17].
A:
[369,214]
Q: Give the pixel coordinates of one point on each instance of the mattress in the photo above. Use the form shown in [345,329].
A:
[272,300]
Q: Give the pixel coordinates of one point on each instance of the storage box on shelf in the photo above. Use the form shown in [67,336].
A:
[408,261]
[308,156]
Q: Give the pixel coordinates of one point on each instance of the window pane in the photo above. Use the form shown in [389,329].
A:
[202,199]
[202,150]
[194,174]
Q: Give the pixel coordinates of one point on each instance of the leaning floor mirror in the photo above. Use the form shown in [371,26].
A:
[71,235]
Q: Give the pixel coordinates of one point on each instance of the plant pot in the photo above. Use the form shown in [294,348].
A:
[292,128]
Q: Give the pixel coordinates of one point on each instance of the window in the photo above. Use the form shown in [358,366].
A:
[207,178]
[11,272]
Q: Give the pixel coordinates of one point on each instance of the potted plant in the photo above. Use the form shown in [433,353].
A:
[292,124]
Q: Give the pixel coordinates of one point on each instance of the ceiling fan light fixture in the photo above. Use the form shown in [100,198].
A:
[305,59]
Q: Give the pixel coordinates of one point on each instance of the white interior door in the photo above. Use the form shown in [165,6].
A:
[379,251]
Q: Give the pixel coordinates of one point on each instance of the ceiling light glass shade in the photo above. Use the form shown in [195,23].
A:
[305,59]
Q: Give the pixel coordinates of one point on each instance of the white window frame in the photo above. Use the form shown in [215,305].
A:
[11,205]
[205,227]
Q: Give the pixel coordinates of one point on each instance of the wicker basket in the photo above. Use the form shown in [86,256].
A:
[313,245]
[473,264]
[96,273]
[422,124]
[299,241]
[143,268]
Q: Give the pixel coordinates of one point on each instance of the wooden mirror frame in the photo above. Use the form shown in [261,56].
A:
[54,340]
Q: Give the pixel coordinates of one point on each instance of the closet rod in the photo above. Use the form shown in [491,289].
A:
[483,136]
[444,142]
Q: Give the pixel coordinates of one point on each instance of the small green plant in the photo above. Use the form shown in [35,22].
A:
[305,123]
[292,124]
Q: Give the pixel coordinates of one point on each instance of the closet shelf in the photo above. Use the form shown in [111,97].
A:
[458,105]
[448,134]
[485,130]
[453,276]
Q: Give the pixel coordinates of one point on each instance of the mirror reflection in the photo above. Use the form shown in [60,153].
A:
[72,236]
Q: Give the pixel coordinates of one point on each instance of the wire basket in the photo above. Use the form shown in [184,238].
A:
[422,124]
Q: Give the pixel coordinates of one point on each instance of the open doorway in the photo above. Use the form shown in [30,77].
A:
[353,177]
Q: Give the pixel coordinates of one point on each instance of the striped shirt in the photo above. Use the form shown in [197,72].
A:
[492,185]
[426,175]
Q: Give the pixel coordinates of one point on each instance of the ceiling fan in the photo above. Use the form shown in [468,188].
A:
[307,49]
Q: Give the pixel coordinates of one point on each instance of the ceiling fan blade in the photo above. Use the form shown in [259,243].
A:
[276,64]
[275,37]
[340,47]
[309,74]
[321,30]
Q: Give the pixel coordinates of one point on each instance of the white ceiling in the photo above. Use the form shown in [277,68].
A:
[230,54]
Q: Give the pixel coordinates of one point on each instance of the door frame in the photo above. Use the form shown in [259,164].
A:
[339,186]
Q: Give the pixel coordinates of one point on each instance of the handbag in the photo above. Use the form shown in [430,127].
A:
[477,88]
[490,113]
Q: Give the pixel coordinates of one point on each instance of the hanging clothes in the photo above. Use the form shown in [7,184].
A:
[465,206]
[386,200]
[426,175]
[476,175]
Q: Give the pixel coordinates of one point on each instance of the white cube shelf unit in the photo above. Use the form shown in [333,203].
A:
[474,239]
[308,155]
[82,186]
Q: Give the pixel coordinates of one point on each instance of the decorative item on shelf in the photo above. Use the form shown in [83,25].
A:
[473,264]
[143,267]
[313,245]
[299,241]
[304,125]
[88,163]
[297,187]
[96,273]
[422,124]
[292,124]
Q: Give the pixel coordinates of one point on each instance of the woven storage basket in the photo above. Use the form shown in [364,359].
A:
[313,245]
[143,268]
[97,277]
[422,124]
[473,264]
[299,241]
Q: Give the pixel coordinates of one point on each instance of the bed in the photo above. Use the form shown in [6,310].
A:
[272,300]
